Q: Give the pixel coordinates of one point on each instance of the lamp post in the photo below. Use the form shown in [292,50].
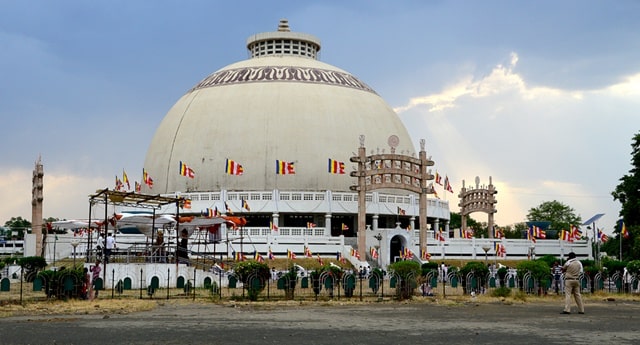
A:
[379,238]
[486,249]
[74,244]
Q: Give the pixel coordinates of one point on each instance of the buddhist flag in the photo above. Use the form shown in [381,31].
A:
[438,178]
[355,253]
[273,226]
[624,231]
[291,255]
[425,255]
[320,260]
[226,206]
[373,252]
[344,227]
[307,252]
[566,236]
[233,168]
[335,167]
[245,205]
[186,171]
[284,168]
[146,179]
[125,179]
[138,186]
[118,183]
[270,255]
[258,257]
[602,236]
[447,185]
[311,225]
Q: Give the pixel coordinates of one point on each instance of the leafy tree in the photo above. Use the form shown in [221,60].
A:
[18,224]
[455,222]
[560,215]
[628,194]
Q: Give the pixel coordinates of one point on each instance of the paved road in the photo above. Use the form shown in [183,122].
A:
[386,323]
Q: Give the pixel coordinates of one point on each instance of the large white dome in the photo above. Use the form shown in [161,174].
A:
[281,104]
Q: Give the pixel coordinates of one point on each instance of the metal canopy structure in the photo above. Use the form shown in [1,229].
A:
[129,199]
[593,219]
[132,199]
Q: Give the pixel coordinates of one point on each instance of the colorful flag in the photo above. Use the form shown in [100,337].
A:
[340,257]
[125,179]
[602,237]
[226,206]
[245,205]
[336,167]
[531,235]
[207,212]
[500,249]
[409,227]
[439,236]
[258,257]
[566,236]
[401,211]
[498,233]
[447,185]
[408,254]
[146,179]
[310,225]
[438,178]
[425,255]
[237,256]
[138,186]
[273,226]
[291,255]
[118,184]
[344,227]
[624,231]
[233,168]
[373,252]
[320,260]
[576,232]
[284,168]
[355,253]
[307,252]
[186,171]
[270,255]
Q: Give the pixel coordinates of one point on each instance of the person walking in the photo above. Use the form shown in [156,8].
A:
[572,269]
[95,275]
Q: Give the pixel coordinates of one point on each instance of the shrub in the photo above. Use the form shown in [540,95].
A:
[407,272]
[254,276]
[501,292]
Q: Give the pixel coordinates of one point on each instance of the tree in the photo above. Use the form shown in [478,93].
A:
[18,224]
[560,215]
[628,194]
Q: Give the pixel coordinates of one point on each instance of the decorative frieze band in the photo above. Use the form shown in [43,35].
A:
[282,73]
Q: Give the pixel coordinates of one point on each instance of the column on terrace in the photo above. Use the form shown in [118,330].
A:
[412,223]
[275,219]
[327,224]
[436,224]
[375,221]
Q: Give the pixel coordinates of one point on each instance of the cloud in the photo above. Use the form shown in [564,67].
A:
[65,195]
[539,143]
[502,79]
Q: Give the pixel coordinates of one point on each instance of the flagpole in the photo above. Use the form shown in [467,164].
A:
[620,236]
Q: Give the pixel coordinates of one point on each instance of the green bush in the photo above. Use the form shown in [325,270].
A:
[254,276]
[501,292]
[633,267]
[407,271]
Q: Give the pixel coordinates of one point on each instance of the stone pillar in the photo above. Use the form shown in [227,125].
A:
[36,205]
[375,221]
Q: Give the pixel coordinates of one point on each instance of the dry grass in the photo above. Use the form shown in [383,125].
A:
[77,307]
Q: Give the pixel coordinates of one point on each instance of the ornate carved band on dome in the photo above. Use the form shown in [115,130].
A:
[282,74]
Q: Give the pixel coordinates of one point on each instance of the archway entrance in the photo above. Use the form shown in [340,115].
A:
[395,246]
[478,199]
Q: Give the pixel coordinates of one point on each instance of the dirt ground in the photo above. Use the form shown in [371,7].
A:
[422,320]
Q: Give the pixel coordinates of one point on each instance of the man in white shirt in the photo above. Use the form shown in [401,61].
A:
[111,244]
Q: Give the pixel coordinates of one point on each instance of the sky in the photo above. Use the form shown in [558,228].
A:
[541,96]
